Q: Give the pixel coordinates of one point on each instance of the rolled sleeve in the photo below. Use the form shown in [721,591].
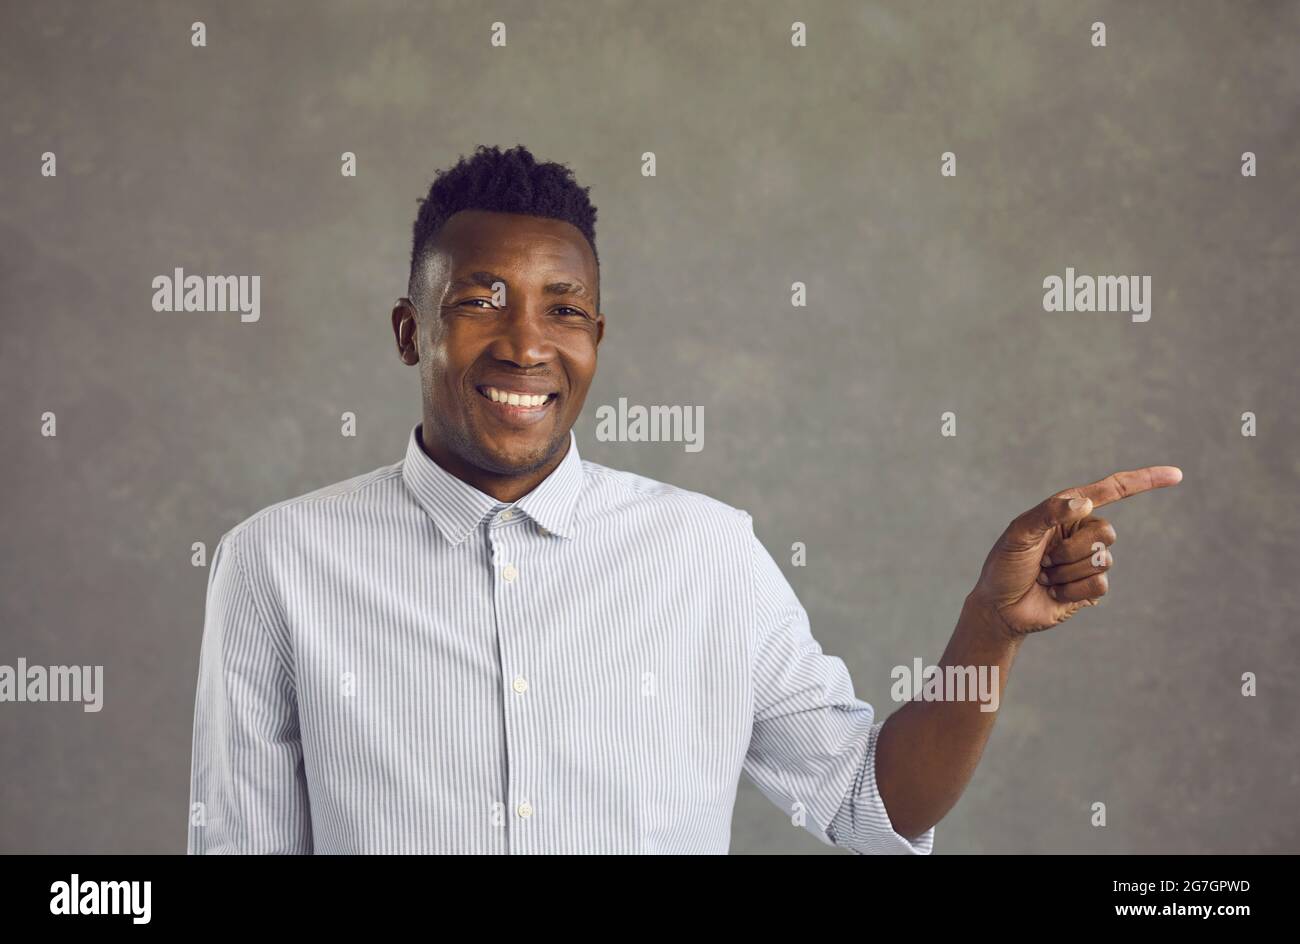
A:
[248,792]
[812,749]
[862,823]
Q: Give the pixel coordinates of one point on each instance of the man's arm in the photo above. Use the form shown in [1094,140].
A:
[813,744]
[1048,564]
[248,792]
[927,750]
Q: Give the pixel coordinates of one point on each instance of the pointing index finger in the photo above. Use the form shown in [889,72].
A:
[1119,485]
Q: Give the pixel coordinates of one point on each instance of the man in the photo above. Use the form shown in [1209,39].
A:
[494,646]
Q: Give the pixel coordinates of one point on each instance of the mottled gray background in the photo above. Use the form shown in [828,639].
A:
[775,164]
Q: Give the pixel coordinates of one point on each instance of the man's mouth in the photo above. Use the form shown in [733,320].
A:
[517,405]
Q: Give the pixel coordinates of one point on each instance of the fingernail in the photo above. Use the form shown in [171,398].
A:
[1047,562]
[1051,592]
[1077,503]
[1042,578]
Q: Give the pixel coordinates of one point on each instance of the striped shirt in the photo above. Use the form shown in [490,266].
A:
[401,663]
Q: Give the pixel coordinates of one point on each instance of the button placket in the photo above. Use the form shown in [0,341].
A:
[510,601]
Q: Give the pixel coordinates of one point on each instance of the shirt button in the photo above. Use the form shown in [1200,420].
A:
[507,514]
[511,573]
[541,530]
[521,684]
[525,809]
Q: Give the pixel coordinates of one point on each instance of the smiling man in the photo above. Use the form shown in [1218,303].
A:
[495,646]
[503,322]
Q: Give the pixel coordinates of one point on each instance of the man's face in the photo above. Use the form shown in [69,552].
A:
[504,369]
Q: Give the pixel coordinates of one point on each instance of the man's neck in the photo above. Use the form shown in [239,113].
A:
[502,487]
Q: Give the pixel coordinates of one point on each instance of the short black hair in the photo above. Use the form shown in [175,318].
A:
[510,181]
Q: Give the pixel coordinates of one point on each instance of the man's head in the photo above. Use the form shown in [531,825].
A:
[502,308]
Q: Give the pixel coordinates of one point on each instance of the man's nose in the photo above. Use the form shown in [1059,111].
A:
[524,338]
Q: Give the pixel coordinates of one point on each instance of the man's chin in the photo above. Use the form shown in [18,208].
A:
[510,456]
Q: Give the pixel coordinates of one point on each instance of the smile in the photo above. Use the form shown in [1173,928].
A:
[517,405]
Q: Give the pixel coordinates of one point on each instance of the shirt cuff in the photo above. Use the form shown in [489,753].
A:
[862,824]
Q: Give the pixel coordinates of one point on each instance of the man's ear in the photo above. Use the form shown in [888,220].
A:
[600,327]
[405,327]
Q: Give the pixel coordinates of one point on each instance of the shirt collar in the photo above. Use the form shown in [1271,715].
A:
[457,507]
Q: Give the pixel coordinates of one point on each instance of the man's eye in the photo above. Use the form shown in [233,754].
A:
[571,310]
[471,301]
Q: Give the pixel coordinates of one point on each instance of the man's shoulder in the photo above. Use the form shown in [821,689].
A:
[621,491]
[337,498]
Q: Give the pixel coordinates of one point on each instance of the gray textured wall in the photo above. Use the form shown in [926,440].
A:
[775,164]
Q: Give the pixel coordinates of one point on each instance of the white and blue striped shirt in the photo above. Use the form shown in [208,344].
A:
[400,663]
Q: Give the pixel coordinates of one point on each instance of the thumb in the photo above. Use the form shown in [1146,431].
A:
[1030,527]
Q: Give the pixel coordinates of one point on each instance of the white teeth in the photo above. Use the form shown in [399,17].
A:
[516,399]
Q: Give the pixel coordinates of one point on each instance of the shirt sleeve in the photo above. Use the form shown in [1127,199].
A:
[248,790]
[812,751]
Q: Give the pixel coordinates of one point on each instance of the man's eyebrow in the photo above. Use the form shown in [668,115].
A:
[564,288]
[488,279]
[480,279]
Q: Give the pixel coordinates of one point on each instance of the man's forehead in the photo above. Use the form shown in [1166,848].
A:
[487,231]
[478,240]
